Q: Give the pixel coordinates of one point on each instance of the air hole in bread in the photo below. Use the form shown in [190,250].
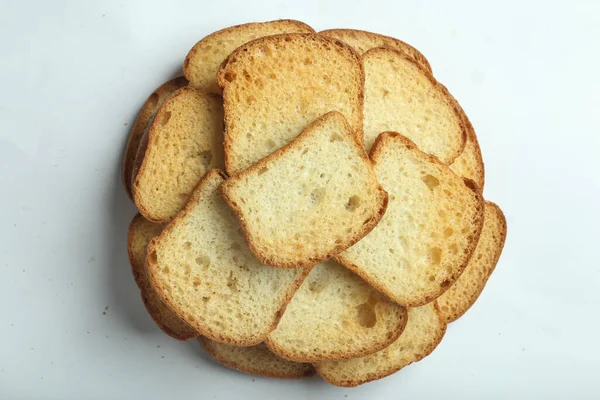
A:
[448,232]
[307,61]
[392,251]
[206,158]
[366,315]
[435,255]
[232,282]
[385,92]
[263,170]
[166,116]
[366,221]
[272,75]
[247,76]
[187,245]
[317,195]
[152,257]
[306,151]
[271,144]
[431,278]
[335,138]
[183,196]
[196,282]
[203,261]
[316,286]
[229,77]
[431,181]
[153,100]
[235,246]
[353,203]
[205,299]
[187,268]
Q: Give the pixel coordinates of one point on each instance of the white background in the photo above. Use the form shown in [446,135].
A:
[73,73]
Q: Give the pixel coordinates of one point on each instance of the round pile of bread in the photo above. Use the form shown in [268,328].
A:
[308,203]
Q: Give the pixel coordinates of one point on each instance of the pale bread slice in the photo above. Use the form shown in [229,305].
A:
[424,331]
[362,41]
[309,200]
[275,86]
[256,360]
[141,123]
[141,231]
[465,291]
[203,270]
[470,162]
[403,97]
[335,315]
[184,141]
[202,62]
[430,228]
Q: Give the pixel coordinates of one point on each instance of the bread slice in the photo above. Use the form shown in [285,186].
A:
[424,331]
[469,164]
[141,123]
[465,291]
[202,268]
[429,231]
[362,41]
[183,143]
[403,97]
[275,86]
[203,60]
[141,231]
[256,360]
[335,315]
[309,200]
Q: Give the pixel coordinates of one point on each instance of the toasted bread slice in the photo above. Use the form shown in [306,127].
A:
[141,231]
[202,268]
[362,41]
[203,60]
[335,315]
[424,331]
[309,200]
[465,291]
[430,229]
[470,162]
[276,86]
[183,143]
[141,123]
[256,360]
[403,97]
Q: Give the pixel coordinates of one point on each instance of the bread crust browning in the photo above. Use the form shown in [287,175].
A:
[228,104]
[142,121]
[225,190]
[307,372]
[232,30]
[453,315]
[148,295]
[148,143]
[354,353]
[391,42]
[161,290]
[382,374]
[477,222]
[455,106]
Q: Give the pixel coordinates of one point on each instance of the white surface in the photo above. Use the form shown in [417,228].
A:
[73,74]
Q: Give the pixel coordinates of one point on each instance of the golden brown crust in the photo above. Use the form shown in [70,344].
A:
[479,166]
[308,371]
[178,330]
[142,121]
[232,29]
[395,44]
[223,83]
[453,315]
[225,190]
[349,353]
[162,291]
[456,108]
[148,143]
[390,371]
[477,222]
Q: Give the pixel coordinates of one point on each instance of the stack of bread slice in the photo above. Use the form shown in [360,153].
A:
[309,203]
